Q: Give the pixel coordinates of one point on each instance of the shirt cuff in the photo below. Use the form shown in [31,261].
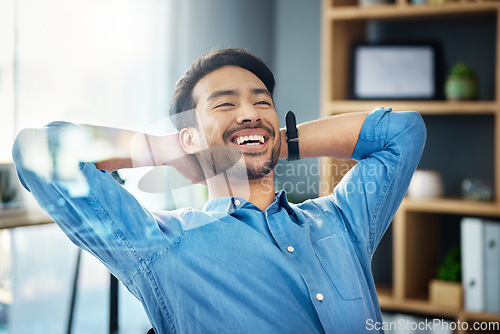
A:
[373,134]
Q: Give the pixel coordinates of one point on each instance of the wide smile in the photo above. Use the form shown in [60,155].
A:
[250,139]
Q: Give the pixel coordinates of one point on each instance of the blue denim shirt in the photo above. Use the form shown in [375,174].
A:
[231,268]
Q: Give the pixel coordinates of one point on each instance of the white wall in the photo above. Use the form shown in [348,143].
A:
[203,26]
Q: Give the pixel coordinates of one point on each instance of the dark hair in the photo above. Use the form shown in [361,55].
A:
[183,97]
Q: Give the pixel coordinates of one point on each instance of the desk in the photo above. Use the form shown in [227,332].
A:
[25,219]
[41,218]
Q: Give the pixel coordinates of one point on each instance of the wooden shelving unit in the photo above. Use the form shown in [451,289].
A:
[424,107]
[452,206]
[415,228]
[403,9]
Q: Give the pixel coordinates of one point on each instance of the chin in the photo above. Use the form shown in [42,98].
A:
[259,170]
[256,174]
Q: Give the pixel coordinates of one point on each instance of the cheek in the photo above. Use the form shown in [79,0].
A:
[275,123]
[212,130]
[216,126]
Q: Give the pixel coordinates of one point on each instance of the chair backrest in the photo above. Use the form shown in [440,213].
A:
[151,331]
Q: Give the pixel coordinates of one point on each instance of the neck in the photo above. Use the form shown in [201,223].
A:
[260,192]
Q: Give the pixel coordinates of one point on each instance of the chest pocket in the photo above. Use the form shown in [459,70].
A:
[338,264]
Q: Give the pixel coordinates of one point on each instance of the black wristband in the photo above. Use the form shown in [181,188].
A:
[292,137]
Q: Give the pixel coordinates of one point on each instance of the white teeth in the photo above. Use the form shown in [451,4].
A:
[243,139]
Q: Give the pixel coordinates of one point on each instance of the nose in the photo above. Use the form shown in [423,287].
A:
[248,113]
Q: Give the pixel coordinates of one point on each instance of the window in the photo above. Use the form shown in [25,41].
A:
[86,61]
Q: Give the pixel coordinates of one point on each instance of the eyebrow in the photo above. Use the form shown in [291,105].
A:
[257,91]
[233,92]
[218,93]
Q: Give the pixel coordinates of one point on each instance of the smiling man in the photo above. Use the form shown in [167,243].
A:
[238,120]
[249,262]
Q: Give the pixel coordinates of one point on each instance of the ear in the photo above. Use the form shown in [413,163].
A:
[189,138]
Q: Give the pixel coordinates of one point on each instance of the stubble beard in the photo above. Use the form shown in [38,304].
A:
[255,172]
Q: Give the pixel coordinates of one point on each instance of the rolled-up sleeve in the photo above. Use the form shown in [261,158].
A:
[388,150]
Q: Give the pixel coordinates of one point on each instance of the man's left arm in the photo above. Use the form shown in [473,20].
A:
[334,137]
[388,146]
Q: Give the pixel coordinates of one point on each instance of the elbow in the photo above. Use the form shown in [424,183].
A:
[34,146]
[414,131]
[20,147]
[418,130]
[21,151]
[30,150]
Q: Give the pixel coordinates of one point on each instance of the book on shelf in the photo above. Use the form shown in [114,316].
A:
[492,266]
[480,241]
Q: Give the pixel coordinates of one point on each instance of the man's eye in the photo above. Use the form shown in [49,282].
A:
[264,102]
[224,105]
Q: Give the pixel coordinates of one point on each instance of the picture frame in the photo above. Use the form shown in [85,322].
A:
[393,72]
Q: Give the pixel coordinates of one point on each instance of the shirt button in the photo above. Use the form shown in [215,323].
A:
[319,297]
[237,202]
[290,249]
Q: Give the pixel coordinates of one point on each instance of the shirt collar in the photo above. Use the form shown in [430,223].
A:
[221,204]
[229,204]
[282,201]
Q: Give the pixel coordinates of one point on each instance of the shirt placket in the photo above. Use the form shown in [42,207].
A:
[294,242]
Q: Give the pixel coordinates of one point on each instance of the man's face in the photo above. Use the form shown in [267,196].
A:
[236,114]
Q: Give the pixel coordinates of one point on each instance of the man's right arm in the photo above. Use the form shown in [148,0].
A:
[56,150]
[93,210]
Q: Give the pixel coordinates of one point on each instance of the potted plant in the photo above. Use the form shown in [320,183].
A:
[447,289]
[461,83]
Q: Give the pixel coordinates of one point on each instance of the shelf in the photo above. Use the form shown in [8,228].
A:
[422,107]
[424,307]
[419,306]
[479,316]
[397,11]
[452,206]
